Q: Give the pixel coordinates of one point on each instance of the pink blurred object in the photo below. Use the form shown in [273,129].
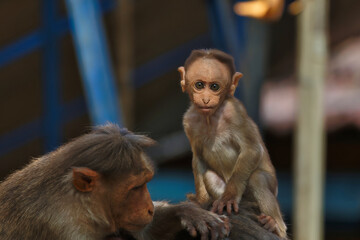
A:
[342,93]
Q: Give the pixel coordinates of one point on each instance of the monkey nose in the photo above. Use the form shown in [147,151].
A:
[206,101]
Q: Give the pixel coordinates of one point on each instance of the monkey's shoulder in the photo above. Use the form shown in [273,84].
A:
[234,106]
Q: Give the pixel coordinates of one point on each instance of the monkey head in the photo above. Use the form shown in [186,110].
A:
[125,201]
[208,82]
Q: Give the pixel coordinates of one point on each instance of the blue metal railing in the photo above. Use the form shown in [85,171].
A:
[142,75]
[76,108]
[51,84]
[56,114]
[35,40]
[94,61]
[341,199]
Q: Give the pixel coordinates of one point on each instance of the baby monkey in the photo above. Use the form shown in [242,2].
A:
[229,156]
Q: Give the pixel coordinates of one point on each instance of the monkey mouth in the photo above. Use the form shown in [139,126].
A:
[122,234]
[206,109]
[119,235]
[137,227]
[114,238]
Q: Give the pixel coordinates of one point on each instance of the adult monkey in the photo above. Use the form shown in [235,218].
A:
[229,157]
[91,188]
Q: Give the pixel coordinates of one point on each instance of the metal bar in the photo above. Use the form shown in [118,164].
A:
[45,36]
[227,31]
[215,28]
[94,63]
[32,130]
[20,48]
[51,84]
[34,40]
[168,61]
[241,29]
[20,136]
[222,19]
[226,17]
[124,29]
[254,66]
[310,133]
[240,25]
[76,108]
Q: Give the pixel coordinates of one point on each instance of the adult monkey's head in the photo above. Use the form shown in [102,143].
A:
[209,77]
[113,172]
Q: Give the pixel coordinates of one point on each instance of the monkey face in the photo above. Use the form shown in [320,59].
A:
[207,83]
[124,200]
[131,204]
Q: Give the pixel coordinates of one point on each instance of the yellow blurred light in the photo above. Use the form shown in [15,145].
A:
[255,9]
[260,9]
[296,7]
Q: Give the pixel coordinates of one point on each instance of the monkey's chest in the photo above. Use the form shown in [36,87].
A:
[220,155]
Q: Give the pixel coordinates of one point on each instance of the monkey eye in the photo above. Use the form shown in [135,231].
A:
[138,187]
[199,85]
[214,86]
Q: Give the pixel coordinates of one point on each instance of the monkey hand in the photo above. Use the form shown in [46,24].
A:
[199,221]
[219,205]
[191,197]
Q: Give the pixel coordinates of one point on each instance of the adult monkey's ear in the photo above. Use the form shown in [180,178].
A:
[84,179]
[235,80]
[181,70]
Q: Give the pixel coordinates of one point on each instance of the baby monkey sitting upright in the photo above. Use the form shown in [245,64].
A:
[229,156]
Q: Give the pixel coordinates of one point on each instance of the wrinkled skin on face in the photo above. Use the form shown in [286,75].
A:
[130,202]
[124,202]
[206,82]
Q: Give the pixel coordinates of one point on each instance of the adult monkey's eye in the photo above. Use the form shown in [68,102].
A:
[138,187]
[199,85]
[214,86]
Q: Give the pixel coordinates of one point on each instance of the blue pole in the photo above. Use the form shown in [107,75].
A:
[93,59]
[227,33]
[51,87]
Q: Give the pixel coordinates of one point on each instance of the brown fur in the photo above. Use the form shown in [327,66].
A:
[229,156]
[91,188]
[244,225]
[40,201]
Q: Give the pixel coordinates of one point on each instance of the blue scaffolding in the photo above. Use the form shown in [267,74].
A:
[100,91]
[85,24]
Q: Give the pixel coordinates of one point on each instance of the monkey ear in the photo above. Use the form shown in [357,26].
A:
[84,179]
[235,80]
[181,70]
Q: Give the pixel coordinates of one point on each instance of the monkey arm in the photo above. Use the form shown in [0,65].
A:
[169,220]
[248,160]
[198,167]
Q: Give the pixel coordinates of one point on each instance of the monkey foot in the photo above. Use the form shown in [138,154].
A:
[191,197]
[219,205]
[270,224]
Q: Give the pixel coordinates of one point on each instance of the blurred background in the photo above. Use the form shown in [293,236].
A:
[68,65]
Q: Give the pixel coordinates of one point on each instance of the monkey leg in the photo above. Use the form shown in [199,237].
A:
[214,184]
[259,186]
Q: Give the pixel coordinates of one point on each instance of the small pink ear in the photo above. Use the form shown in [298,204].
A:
[84,179]
[235,80]
[181,70]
